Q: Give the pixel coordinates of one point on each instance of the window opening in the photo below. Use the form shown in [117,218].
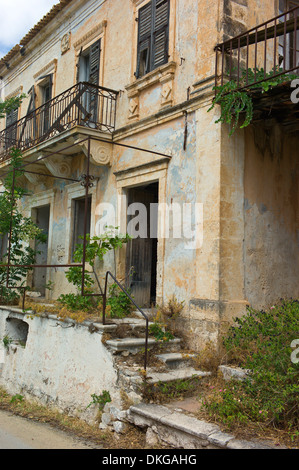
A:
[153,36]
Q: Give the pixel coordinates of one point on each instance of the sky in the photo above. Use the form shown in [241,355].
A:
[17,17]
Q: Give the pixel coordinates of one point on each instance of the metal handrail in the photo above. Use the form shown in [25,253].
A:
[108,273]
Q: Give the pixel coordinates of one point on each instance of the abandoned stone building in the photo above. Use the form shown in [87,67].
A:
[125,86]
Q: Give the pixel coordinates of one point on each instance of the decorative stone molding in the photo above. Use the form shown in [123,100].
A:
[137,2]
[58,166]
[49,68]
[166,93]
[90,36]
[134,106]
[159,75]
[164,76]
[100,152]
[15,93]
[65,43]
[35,178]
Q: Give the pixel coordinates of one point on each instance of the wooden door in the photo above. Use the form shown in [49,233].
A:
[41,216]
[141,251]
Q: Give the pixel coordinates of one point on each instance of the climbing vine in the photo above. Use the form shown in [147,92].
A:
[235,101]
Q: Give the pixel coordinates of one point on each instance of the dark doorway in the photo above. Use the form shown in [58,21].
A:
[141,261]
[41,216]
[79,216]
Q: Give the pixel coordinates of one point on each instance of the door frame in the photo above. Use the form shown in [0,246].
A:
[46,198]
[140,176]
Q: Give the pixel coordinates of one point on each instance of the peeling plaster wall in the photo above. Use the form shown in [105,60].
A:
[61,365]
[250,203]
[271,208]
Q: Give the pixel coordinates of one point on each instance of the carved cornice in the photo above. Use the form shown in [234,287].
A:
[46,69]
[16,92]
[92,34]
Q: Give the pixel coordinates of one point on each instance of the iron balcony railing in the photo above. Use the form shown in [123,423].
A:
[268,50]
[83,104]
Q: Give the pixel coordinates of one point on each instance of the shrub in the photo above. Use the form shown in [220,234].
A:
[261,341]
[119,303]
[159,332]
[168,314]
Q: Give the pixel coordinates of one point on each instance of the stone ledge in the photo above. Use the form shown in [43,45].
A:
[184,431]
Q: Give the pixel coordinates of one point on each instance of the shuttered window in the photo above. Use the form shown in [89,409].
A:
[11,129]
[88,70]
[153,33]
[12,117]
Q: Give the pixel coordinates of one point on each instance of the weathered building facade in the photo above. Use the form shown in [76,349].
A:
[127,85]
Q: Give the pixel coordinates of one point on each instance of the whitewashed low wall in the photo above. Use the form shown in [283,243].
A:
[61,363]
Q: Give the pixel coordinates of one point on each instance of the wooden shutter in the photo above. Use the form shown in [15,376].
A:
[94,62]
[94,76]
[11,130]
[78,66]
[160,34]
[12,117]
[153,26]
[144,38]
[28,131]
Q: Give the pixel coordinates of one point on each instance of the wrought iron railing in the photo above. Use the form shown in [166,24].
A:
[83,104]
[268,50]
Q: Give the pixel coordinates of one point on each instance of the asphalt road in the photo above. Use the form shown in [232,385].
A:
[20,433]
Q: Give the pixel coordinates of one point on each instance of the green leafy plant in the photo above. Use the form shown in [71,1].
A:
[235,101]
[9,105]
[77,302]
[23,231]
[119,303]
[95,249]
[17,398]
[261,342]
[159,332]
[100,400]
[7,341]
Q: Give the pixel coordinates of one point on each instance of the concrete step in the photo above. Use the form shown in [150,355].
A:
[176,360]
[172,375]
[183,431]
[134,345]
[135,324]
[132,378]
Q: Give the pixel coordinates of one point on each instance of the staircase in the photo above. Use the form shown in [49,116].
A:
[166,424]
[167,361]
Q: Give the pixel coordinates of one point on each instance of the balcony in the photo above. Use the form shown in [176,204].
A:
[266,53]
[83,106]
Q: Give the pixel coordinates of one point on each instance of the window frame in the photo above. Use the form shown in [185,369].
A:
[76,202]
[148,35]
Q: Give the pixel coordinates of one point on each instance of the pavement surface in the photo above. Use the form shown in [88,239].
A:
[20,433]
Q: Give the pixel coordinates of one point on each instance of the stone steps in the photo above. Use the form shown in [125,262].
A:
[176,360]
[181,430]
[166,361]
[134,345]
[172,375]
